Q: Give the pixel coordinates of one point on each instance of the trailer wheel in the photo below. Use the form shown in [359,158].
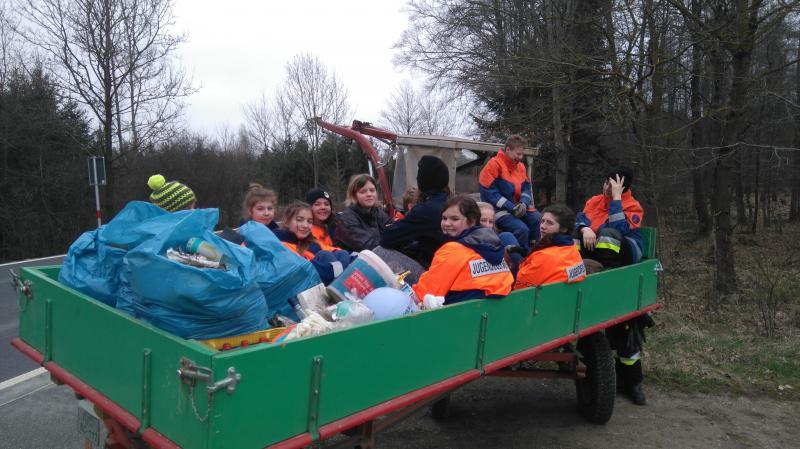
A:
[597,391]
[441,409]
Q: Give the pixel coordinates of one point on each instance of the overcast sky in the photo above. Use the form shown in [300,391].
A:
[238,48]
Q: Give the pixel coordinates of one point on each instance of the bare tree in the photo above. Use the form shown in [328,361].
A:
[402,110]
[425,111]
[270,121]
[115,57]
[314,91]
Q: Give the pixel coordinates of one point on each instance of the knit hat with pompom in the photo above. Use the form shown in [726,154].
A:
[170,196]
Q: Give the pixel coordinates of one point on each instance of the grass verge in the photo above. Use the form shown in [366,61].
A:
[710,345]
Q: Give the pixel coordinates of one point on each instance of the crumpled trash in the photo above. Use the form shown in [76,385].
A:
[432,302]
[315,299]
[313,324]
[348,313]
[194,260]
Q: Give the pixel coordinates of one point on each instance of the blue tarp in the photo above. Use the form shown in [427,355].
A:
[281,273]
[187,301]
[93,261]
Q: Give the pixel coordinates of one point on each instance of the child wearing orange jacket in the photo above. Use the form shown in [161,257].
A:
[556,258]
[471,264]
[323,226]
[505,185]
[295,234]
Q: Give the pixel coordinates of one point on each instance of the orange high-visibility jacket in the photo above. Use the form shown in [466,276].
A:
[323,237]
[459,272]
[308,255]
[504,183]
[551,264]
[600,210]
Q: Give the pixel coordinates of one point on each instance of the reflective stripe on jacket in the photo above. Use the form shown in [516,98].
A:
[551,264]
[503,184]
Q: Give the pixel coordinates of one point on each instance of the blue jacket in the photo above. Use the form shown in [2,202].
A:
[419,234]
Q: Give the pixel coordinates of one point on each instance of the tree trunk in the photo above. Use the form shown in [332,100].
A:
[755,190]
[108,122]
[794,203]
[741,212]
[562,154]
[745,26]
[698,181]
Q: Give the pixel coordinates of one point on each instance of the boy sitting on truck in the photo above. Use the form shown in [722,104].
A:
[505,185]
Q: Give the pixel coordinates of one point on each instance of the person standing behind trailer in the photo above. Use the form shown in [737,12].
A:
[171,196]
[471,265]
[295,234]
[259,205]
[360,225]
[419,234]
[505,185]
[556,258]
[608,232]
[324,222]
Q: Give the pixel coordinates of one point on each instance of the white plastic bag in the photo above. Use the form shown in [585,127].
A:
[313,324]
[432,302]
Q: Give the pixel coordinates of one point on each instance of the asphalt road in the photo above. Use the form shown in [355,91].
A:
[12,362]
[488,413]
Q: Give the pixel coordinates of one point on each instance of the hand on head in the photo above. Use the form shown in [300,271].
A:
[617,186]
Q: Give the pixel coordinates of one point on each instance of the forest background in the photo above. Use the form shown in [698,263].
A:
[700,97]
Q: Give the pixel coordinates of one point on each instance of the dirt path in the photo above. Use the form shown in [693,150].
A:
[513,413]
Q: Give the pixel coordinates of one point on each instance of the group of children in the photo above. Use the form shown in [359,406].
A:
[469,249]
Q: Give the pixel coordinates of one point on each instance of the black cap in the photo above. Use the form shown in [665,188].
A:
[315,194]
[622,172]
[432,174]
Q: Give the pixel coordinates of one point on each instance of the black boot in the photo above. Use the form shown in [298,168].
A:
[637,395]
[632,377]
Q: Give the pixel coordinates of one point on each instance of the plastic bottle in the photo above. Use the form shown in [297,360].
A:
[406,287]
[297,308]
[199,246]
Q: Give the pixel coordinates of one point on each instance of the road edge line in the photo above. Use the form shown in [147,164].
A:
[21,378]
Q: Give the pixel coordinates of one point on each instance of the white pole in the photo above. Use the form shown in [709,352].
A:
[96,192]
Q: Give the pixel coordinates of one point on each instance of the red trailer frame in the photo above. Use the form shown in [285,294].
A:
[358,132]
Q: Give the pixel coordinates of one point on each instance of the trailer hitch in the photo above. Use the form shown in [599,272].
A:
[25,287]
[190,373]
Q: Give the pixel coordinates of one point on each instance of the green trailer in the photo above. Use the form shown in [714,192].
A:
[152,389]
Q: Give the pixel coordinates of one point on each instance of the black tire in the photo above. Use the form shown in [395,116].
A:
[597,391]
[440,409]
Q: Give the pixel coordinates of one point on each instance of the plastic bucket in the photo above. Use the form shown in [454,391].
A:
[363,275]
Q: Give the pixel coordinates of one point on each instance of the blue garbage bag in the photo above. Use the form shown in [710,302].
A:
[281,273]
[94,260]
[193,302]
